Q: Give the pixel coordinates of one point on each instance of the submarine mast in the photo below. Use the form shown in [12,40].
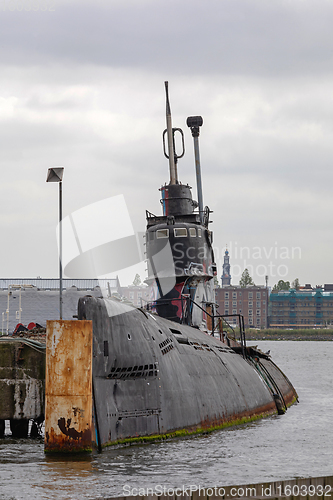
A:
[179,243]
[171,145]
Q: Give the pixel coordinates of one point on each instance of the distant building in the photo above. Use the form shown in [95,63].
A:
[306,307]
[137,295]
[250,301]
[226,277]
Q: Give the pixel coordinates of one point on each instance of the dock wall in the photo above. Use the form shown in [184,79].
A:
[22,373]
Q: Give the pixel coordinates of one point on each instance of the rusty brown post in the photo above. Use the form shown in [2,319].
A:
[68,387]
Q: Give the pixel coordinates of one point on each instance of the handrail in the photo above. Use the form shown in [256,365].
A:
[187,298]
[241,330]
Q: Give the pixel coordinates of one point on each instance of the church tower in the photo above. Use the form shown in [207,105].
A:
[226,278]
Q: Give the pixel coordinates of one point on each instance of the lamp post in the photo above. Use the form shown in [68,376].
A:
[194,123]
[55,174]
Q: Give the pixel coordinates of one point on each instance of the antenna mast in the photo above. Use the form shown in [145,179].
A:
[172,166]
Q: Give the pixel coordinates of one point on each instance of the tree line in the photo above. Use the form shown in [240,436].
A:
[246,280]
[281,285]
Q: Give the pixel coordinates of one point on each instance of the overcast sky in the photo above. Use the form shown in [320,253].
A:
[82,85]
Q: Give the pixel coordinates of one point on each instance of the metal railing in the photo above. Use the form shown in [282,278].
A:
[187,304]
[53,283]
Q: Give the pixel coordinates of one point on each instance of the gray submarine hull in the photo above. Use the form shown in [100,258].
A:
[153,377]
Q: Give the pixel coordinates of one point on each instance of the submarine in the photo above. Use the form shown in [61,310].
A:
[169,368]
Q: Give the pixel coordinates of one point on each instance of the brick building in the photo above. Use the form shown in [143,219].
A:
[250,301]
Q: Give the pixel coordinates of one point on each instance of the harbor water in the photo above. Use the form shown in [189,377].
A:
[297,444]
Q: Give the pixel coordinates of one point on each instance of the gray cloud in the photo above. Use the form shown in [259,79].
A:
[83,87]
[217,37]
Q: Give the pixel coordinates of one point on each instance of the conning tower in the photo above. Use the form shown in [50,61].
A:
[179,243]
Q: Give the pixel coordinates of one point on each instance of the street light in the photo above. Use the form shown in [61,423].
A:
[194,123]
[55,175]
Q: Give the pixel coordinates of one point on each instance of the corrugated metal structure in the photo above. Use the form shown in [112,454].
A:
[37,306]
[36,300]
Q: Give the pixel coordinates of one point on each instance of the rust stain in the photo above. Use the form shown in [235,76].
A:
[208,318]
[68,416]
[78,411]
[290,397]
[60,443]
[71,432]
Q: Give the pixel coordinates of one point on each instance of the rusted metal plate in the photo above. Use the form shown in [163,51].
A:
[68,386]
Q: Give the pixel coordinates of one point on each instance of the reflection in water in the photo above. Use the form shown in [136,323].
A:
[66,465]
[297,444]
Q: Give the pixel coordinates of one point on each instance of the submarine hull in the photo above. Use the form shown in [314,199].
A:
[153,377]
